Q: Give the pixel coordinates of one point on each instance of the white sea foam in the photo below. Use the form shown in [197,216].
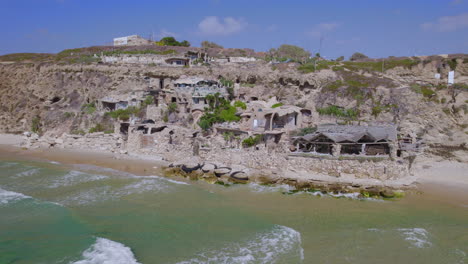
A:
[161,178]
[124,174]
[276,245]
[103,169]
[266,188]
[74,177]
[418,237]
[8,196]
[106,251]
[8,164]
[27,173]
[141,186]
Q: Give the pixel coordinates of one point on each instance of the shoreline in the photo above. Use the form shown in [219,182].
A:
[426,173]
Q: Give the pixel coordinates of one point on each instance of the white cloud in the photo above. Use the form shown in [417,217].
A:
[213,25]
[447,23]
[322,28]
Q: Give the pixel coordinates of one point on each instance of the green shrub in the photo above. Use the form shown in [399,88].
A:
[36,124]
[226,82]
[229,114]
[334,110]
[277,105]
[443,100]
[78,132]
[377,66]
[317,66]
[460,86]
[219,110]
[251,141]
[304,131]
[240,104]
[172,107]
[425,91]
[171,41]
[68,114]
[89,108]
[97,128]
[149,100]
[333,86]
[452,64]
[228,136]
[123,114]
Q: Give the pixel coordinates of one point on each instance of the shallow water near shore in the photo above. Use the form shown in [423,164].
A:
[56,213]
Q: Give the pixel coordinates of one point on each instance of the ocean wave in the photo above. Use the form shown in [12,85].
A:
[28,173]
[74,177]
[8,196]
[276,245]
[141,186]
[161,178]
[106,251]
[7,164]
[418,237]
[103,169]
[125,174]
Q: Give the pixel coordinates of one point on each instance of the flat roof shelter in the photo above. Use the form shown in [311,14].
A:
[339,140]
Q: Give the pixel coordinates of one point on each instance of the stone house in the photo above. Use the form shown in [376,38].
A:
[133,40]
[121,101]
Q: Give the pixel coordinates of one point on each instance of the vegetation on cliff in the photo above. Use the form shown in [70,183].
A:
[220,110]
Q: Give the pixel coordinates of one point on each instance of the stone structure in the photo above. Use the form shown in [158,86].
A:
[133,40]
[93,141]
[339,140]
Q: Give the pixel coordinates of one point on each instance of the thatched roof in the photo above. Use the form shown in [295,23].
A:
[338,133]
[188,80]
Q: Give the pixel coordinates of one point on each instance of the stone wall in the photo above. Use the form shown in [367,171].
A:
[263,159]
[138,59]
[94,141]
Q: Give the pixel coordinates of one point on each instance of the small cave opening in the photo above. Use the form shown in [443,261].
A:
[54,100]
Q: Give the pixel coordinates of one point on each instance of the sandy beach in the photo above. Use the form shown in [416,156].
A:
[443,178]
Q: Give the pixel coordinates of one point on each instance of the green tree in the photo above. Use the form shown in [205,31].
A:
[340,58]
[210,45]
[171,41]
[358,56]
[185,43]
[292,52]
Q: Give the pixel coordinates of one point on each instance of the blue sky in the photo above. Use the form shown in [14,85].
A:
[378,28]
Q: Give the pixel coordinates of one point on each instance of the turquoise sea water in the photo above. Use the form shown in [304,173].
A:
[55,213]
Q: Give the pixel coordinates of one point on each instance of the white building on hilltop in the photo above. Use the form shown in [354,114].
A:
[133,40]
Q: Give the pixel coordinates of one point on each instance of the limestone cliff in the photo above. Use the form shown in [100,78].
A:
[55,93]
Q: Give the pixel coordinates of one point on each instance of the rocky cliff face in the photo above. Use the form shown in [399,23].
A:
[53,95]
